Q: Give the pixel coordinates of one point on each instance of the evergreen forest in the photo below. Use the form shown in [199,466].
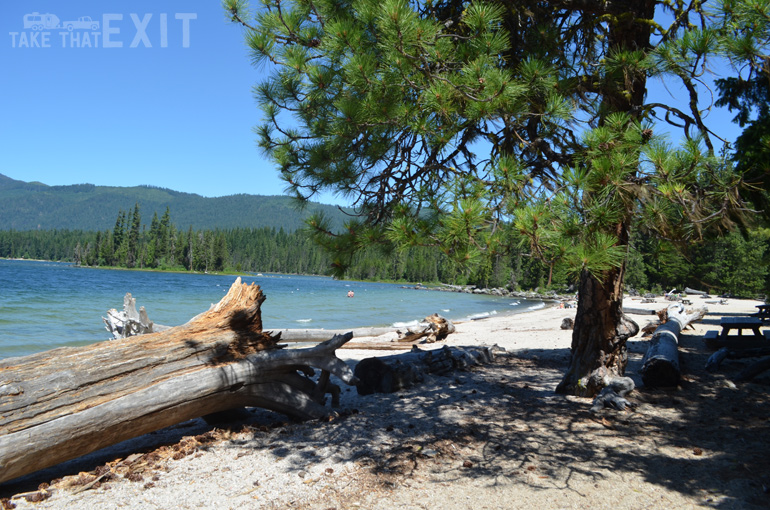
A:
[734,264]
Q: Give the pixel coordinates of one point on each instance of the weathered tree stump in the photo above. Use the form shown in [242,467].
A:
[63,403]
[129,322]
[613,394]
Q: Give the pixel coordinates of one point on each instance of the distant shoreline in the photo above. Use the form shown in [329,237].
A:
[551,296]
[546,297]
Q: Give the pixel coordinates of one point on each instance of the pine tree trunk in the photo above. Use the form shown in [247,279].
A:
[599,336]
[601,330]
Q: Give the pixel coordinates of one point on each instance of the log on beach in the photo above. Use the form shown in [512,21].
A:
[319,335]
[749,372]
[660,365]
[433,328]
[64,403]
[688,290]
[753,370]
[389,374]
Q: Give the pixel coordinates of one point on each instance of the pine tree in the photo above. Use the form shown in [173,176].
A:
[106,249]
[165,236]
[392,101]
[119,240]
[153,242]
[744,28]
[220,255]
[132,242]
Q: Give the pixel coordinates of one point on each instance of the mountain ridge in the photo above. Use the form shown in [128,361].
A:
[38,206]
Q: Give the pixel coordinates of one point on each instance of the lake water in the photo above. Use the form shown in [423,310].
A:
[44,305]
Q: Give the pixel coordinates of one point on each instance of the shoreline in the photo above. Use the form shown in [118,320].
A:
[484,437]
[548,296]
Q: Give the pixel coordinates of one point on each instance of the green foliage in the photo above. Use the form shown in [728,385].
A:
[463,125]
[745,37]
[735,264]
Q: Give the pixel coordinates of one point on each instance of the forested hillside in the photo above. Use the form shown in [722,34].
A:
[735,264]
[252,233]
[33,206]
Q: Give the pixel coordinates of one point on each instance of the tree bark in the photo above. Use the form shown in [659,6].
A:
[67,402]
[599,337]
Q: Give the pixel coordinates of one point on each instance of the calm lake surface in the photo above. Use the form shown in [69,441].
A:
[44,305]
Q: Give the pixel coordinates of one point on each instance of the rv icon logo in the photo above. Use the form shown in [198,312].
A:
[37,21]
[110,30]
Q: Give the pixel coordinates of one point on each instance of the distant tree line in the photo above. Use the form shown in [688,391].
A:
[734,264]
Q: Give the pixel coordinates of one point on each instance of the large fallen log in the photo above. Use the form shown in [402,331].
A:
[388,374]
[67,402]
[660,365]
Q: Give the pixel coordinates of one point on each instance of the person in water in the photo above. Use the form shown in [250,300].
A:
[351,293]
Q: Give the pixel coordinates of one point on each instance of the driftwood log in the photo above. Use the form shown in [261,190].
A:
[319,335]
[688,290]
[660,365]
[389,374]
[751,371]
[716,359]
[613,394]
[63,403]
[433,329]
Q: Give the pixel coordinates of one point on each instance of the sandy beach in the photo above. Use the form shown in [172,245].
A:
[492,437]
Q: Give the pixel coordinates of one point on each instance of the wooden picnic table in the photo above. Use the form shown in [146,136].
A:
[764,312]
[741,323]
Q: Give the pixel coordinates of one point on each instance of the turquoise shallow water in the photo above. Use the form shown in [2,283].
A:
[44,305]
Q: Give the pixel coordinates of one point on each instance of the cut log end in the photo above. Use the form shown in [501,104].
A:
[661,373]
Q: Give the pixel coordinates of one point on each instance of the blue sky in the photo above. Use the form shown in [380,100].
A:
[181,117]
[174,116]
